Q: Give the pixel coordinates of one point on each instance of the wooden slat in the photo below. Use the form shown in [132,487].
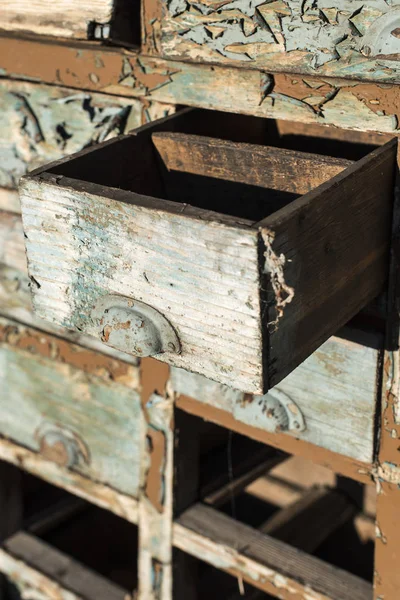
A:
[321,386]
[53,516]
[264,562]
[310,520]
[30,563]
[283,40]
[305,523]
[326,253]
[263,166]
[350,105]
[200,282]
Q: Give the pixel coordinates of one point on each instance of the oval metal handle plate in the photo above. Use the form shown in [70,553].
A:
[133,327]
[382,38]
[61,446]
[282,411]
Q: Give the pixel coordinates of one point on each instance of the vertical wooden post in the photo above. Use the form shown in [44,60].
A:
[156,489]
[387,469]
[10,509]
[170,484]
[186,493]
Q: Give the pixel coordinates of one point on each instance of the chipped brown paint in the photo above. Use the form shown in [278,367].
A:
[152,13]
[57,349]
[308,99]
[155,478]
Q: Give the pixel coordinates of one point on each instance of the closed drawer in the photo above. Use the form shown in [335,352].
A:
[232,260]
[330,400]
[77,408]
[329,39]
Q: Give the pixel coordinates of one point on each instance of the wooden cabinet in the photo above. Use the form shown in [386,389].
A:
[232,260]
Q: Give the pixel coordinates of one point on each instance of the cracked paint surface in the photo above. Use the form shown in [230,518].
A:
[320,100]
[40,124]
[312,36]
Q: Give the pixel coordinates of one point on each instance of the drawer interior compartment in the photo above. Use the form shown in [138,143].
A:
[65,547]
[208,247]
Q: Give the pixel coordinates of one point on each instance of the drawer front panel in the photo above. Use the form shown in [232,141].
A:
[41,123]
[186,269]
[354,40]
[78,409]
[335,391]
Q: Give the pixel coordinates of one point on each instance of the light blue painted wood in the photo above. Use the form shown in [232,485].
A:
[42,394]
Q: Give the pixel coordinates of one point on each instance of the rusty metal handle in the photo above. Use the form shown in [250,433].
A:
[133,327]
[61,446]
[281,412]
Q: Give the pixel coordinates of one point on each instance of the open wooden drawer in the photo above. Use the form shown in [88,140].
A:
[193,241]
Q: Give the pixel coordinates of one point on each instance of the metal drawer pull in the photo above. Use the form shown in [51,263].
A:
[133,327]
[61,446]
[281,412]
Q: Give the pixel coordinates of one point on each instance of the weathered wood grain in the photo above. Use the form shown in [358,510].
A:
[346,104]
[40,571]
[41,123]
[52,387]
[336,41]
[309,521]
[264,562]
[262,166]
[15,293]
[335,388]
